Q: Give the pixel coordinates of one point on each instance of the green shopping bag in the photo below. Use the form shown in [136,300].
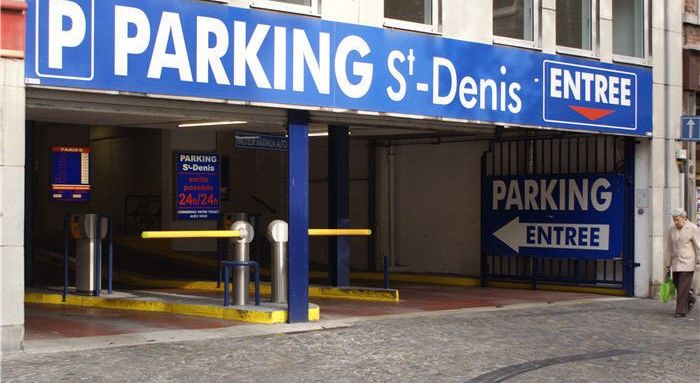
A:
[667,291]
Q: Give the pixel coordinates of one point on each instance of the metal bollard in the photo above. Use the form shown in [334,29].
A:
[241,252]
[278,235]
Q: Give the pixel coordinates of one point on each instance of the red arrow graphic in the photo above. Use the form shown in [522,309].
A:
[591,114]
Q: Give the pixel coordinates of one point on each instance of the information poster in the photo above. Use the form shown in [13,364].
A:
[197,177]
[70,173]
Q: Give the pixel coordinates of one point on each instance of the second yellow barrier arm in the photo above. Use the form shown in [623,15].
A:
[340,232]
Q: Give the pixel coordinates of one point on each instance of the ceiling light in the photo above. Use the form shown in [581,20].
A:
[210,123]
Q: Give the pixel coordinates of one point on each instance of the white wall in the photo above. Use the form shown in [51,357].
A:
[318,199]
[435,219]
[668,101]
[11,204]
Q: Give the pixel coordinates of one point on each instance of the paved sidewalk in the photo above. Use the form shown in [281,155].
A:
[611,340]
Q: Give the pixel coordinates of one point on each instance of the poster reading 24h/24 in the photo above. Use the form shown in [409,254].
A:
[197,177]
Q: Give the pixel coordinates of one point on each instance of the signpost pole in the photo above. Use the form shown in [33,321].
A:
[484,257]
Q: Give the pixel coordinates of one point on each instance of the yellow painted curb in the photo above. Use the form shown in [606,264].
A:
[427,279]
[351,293]
[217,312]
[357,294]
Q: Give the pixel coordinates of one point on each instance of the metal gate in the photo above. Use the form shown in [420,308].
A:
[564,155]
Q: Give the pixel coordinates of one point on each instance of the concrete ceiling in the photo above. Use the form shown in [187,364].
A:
[155,112]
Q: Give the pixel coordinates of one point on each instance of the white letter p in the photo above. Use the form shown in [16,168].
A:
[60,38]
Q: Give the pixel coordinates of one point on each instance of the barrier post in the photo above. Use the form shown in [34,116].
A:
[241,265]
[386,272]
[241,253]
[219,251]
[110,228]
[277,234]
[226,279]
[97,278]
[66,218]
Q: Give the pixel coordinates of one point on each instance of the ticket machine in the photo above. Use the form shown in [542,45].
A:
[88,230]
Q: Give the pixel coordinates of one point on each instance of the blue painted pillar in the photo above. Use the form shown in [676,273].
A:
[338,204]
[298,127]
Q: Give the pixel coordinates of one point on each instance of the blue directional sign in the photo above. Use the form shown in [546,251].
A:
[690,128]
[558,216]
[201,49]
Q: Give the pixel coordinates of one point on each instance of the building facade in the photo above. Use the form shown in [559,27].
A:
[450,115]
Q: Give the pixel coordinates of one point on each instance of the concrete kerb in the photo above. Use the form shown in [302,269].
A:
[266,313]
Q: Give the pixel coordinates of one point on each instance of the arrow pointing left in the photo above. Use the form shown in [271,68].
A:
[570,236]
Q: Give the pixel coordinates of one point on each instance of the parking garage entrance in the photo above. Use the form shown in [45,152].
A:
[559,210]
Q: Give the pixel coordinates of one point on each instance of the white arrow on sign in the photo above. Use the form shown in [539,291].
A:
[554,235]
[691,124]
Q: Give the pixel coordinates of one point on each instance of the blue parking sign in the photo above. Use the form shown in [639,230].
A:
[690,128]
[566,216]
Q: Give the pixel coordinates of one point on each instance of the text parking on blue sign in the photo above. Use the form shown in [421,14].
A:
[200,49]
[558,216]
[198,186]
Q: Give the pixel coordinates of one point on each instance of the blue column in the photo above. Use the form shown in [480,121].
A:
[338,204]
[298,127]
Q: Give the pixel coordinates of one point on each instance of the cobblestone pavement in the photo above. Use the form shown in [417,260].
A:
[602,341]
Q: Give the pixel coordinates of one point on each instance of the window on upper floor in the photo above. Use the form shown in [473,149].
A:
[421,15]
[295,6]
[575,24]
[514,19]
[629,27]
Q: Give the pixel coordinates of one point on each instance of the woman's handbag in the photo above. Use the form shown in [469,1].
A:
[667,291]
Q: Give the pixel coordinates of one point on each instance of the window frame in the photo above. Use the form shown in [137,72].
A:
[535,43]
[646,48]
[413,26]
[280,5]
[692,18]
[594,52]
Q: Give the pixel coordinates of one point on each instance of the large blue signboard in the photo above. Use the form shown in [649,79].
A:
[188,48]
[70,173]
[198,194]
[564,216]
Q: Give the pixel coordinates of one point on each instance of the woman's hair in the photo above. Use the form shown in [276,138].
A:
[679,212]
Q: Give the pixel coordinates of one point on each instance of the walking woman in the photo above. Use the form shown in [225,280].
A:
[681,257]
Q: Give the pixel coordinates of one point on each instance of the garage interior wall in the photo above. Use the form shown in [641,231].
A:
[430,208]
[123,162]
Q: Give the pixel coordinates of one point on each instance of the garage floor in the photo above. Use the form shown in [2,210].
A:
[44,322]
